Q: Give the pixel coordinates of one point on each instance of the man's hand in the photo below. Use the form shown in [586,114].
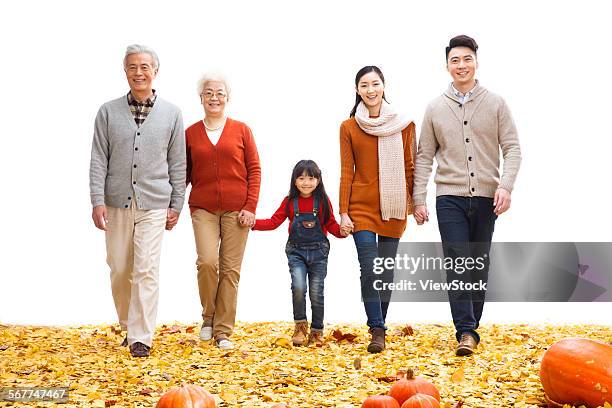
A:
[172,218]
[99,217]
[421,214]
[346,225]
[501,201]
[246,218]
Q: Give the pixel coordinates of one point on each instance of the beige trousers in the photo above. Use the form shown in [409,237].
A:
[220,242]
[133,248]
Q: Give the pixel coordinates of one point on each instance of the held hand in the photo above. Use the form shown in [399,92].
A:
[99,217]
[501,201]
[246,218]
[346,224]
[171,218]
[421,214]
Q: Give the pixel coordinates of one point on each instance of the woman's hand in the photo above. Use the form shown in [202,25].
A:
[246,218]
[421,214]
[346,224]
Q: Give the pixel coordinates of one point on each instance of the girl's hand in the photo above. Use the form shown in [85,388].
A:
[346,224]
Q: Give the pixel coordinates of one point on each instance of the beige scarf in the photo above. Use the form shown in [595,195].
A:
[391,172]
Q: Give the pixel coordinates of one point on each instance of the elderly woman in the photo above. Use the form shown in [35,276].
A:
[224,172]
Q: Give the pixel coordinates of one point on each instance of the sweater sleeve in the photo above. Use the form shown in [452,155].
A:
[253,171]
[409,158]
[347,168]
[177,164]
[332,225]
[272,223]
[98,166]
[511,150]
[428,146]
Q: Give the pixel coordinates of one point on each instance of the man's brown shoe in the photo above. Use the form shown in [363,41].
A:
[377,344]
[124,343]
[316,337]
[140,350]
[300,334]
[467,345]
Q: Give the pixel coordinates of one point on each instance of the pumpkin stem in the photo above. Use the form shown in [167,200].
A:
[409,374]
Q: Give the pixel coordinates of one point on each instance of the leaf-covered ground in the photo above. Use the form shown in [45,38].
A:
[265,369]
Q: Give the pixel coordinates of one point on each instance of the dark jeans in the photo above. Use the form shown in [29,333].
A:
[375,302]
[308,261]
[466,227]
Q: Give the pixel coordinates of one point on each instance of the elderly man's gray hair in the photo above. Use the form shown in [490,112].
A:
[141,49]
[213,76]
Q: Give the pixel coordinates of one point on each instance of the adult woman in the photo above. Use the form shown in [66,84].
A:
[224,171]
[377,149]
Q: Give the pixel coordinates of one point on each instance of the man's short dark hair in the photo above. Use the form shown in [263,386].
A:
[462,41]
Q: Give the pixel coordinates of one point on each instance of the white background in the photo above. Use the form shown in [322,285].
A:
[292,69]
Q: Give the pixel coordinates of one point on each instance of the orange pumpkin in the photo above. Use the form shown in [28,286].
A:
[187,396]
[380,401]
[421,401]
[577,372]
[405,388]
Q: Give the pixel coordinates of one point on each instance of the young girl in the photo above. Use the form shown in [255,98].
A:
[310,219]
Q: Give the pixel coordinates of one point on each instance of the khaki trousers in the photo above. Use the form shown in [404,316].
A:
[220,243]
[133,248]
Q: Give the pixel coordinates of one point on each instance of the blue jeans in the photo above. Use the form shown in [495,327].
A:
[308,261]
[375,302]
[466,227]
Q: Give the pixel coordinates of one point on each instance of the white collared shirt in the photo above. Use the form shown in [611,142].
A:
[464,97]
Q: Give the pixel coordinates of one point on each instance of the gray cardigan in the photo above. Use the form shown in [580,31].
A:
[465,139]
[145,164]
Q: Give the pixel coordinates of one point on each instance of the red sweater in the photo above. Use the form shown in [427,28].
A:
[226,176]
[305,205]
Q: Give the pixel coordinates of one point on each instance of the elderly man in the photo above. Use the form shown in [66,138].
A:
[137,185]
[464,130]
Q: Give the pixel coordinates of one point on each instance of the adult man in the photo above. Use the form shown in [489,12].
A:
[137,185]
[464,129]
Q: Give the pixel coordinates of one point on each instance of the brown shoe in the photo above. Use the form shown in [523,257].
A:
[300,334]
[140,350]
[377,344]
[315,337]
[124,343]
[467,345]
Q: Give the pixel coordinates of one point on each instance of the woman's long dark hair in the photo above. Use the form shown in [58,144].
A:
[311,169]
[360,73]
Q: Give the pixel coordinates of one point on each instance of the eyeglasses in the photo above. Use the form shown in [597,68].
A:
[209,94]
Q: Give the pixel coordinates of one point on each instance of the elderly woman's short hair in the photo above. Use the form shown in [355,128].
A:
[141,49]
[213,76]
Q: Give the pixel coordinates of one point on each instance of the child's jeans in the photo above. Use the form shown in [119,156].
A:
[308,260]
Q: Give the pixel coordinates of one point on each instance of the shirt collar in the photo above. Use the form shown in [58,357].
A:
[464,95]
[149,102]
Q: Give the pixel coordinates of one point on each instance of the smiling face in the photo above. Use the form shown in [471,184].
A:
[214,98]
[462,66]
[371,89]
[306,184]
[140,72]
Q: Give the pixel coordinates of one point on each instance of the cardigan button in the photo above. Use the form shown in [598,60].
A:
[467,140]
[126,206]
[465,122]
[473,189]
[471,174]
[469,158]
[135,166]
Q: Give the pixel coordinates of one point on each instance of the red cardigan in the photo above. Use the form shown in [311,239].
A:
[305,205]
[225,177]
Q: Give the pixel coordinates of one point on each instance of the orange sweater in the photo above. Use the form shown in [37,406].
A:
[225,176]
[359,194]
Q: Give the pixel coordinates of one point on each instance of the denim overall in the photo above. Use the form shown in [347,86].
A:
[307,250]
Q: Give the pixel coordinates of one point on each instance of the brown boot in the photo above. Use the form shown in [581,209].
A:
[316,337]
[377,344]
[467,345]
[300,334]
